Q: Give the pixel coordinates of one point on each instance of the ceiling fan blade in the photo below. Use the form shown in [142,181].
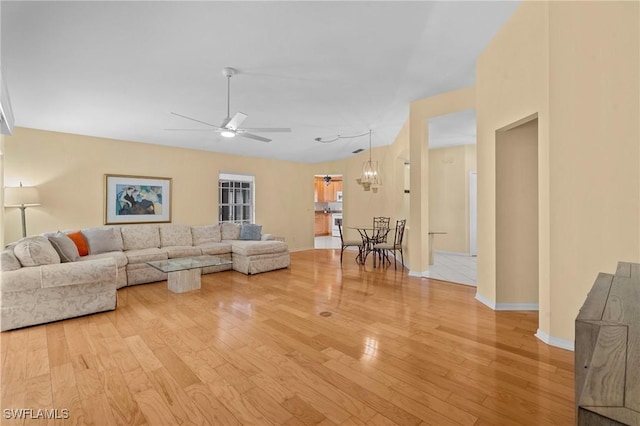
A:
[194,130]
[193,119]
[251,136]
[235,122]
[266,129]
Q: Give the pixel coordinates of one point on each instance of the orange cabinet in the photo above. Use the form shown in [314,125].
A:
[322,224]
[327,193]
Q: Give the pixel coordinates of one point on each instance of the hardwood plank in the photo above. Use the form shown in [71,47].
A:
[212,410]
[178,369]
[175,398]
[238,405]
[154,409]
[147,359]
[123,403]
[303,411]
[270,408]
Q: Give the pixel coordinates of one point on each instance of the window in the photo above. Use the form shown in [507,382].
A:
[236,198]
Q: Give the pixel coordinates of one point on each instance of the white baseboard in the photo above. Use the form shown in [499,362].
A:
[423,274]
[549,340]
[506,306]
[555,341]
[480,298]
[517,307]
[454,253]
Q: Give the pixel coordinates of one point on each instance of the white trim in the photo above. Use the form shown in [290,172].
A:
[555,341]
[454,253]
[236,177]
[423,274]
[506,306]
[480,298]
[517,307]
[251,179]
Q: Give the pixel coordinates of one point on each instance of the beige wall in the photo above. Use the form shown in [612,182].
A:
[69,170]
[449,196]
[574,65]
[594,97]
[517,215]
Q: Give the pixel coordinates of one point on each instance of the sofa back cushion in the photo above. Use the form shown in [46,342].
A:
[9,261]
[138,237]
[230,231]
[64,246]
[35,251]
[206,234]
[103,239]
[175,235]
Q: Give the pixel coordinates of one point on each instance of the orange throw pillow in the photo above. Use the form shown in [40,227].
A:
[80,242]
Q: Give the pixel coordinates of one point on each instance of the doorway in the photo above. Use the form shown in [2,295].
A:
[328,198]
[517,216]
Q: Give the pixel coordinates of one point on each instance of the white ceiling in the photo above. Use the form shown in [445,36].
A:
[117,69]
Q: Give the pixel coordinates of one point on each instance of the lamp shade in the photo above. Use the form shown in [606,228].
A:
[21,196]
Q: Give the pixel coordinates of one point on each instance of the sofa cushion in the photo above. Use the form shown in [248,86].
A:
[103,240]
[230,231]
[175,252]
[80,242]
[250,232]
[138,237]
[251,248]
[215,248]
[118,256]
[206,234]
[36,251]
[175,235]
[9,261]
[66,248]
[145,255]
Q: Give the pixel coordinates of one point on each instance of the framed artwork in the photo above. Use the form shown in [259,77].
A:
[137,199]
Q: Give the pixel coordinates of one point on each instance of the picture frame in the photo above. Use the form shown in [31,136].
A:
[136,199]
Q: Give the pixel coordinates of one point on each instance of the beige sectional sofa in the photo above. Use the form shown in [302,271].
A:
[45,279]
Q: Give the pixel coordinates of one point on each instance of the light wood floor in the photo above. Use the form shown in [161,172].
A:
[257,350]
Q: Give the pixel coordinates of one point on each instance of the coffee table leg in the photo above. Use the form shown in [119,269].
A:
[183,281]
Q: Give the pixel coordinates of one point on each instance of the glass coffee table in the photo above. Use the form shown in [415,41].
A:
[184,272]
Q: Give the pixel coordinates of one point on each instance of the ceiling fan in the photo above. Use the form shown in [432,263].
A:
[230,126]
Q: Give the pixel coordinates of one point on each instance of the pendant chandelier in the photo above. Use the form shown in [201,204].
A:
[370,178]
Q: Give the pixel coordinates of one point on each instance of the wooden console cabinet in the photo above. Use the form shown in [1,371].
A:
[607,350]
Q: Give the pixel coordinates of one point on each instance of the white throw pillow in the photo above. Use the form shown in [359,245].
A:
[36,251]
[66,248]
[103,240]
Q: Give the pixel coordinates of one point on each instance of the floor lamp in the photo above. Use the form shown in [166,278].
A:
[22,197]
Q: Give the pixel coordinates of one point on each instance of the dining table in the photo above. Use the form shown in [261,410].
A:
[370,236]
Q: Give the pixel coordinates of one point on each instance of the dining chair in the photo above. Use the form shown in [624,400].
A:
[380,229]
[379,234]
[383,249]
[349,243]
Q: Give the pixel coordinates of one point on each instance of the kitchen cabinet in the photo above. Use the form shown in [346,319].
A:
[322,224]
[327,193]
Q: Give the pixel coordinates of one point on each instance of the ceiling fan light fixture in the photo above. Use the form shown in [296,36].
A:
[228,133]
